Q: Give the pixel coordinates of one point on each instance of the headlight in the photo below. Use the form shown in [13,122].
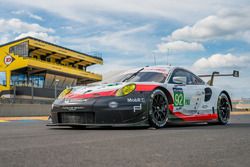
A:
[125,90]
[64,93]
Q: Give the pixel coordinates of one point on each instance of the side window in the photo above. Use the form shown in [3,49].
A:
[3,78]
[178,73]
[194,80]
[191,78]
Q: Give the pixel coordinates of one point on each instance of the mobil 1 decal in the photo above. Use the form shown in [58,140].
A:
[178,97]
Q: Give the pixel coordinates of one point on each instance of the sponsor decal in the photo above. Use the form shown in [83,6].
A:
[187,101]
[138,108]
[73,108]
[67,101]
[136,100]
[113,104]
[205,106]
[178,108]
[189,112]
[113,84]
[8,60]
[158,69]
[178,97]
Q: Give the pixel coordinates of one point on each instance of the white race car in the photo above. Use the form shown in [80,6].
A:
[149,96]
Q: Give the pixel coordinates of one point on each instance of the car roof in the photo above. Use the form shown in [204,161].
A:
[158,68]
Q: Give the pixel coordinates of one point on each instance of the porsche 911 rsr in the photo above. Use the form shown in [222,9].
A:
[150,96]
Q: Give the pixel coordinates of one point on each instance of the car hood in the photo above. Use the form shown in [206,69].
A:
[106,89]
[94,90]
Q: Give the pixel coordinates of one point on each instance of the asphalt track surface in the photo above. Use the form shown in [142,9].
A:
[30,143]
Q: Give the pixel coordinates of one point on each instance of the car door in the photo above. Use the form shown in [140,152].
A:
[187,96]
[198,86]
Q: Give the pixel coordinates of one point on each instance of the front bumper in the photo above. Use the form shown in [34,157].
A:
[130,110]
[138,124]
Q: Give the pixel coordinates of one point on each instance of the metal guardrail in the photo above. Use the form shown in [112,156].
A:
[24,101]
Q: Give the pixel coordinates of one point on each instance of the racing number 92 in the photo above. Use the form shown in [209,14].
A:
[178,98]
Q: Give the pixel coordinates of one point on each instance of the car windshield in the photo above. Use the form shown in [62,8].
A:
[141,77]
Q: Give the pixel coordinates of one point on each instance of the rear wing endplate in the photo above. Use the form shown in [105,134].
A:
[217,74]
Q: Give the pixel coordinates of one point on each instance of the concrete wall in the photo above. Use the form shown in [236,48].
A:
[19,110]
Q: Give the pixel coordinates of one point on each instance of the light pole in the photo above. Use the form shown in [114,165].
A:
[154,60]
[56,83]
[14,91]
[32,90]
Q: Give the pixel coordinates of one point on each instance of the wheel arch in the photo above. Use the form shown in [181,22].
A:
[228,96]
[167,93]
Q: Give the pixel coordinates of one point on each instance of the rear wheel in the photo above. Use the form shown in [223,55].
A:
[223,109]
[158,114]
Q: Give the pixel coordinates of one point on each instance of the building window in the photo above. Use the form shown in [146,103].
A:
[20,49]
[3,78]
[38,80]
[18,80]
[24,80]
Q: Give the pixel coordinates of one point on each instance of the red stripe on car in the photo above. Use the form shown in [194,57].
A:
[190,118]
[140,87]
[171,107]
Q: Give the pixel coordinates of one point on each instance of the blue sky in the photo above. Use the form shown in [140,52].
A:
[202,36]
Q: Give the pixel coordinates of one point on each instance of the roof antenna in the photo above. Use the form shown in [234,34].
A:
[154,59]
[167,56]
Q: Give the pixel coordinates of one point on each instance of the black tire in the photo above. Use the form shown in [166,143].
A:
[158,112]
[223,109]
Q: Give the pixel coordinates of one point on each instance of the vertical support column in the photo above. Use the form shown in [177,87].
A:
[56,83]
[32,90]
[14,92]
[8,78]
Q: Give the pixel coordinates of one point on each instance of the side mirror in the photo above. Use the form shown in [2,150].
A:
[180,80]
[236,73]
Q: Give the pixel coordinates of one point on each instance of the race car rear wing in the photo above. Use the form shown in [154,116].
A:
[217,74]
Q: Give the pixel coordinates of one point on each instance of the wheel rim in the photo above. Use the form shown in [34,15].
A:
[224,108]
[159,110]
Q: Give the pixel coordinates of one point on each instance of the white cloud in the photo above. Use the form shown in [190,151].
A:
[40,35]
[245,36]
[123,40]
[226,24]
[87,11]
[70,28]
[4,38]
[222,61]
[179,46]
[111,66]
[16,29]
[18,26]
[29,14]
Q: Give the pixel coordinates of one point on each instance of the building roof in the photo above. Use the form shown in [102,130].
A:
[39,40]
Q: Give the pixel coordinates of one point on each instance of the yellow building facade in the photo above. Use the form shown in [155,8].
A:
[30,62]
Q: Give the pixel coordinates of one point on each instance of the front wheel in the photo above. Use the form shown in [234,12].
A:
[223,109]
[158,114]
